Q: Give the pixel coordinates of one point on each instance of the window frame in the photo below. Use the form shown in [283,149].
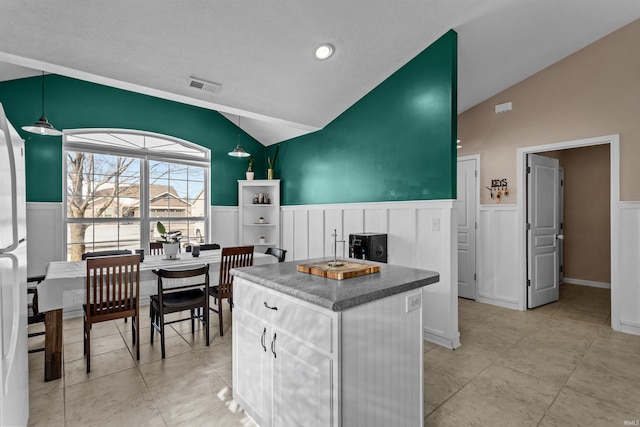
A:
[145,155]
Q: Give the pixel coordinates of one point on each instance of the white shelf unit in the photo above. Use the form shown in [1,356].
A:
[249,213]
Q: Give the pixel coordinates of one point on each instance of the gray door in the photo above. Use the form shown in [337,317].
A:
[466,213]
[543,179]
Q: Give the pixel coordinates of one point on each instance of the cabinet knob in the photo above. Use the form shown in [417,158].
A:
[269,307]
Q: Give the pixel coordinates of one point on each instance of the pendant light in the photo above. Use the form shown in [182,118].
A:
[42,126]
[239,151]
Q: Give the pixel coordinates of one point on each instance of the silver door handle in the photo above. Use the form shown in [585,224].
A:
[273,346]
[264,332]
[560,236]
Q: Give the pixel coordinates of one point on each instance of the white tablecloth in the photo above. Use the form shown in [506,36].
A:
[65,282]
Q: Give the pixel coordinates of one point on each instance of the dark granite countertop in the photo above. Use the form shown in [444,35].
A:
[337,295]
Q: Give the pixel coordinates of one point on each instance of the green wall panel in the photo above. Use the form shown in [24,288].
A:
[74,104]
[396,143]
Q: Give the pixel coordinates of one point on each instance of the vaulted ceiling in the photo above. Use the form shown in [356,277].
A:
[261,52]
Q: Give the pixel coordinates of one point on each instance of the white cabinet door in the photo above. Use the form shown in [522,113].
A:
[252,372]
[302,392]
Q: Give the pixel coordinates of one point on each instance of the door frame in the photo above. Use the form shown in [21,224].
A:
[475,157]
[614,149]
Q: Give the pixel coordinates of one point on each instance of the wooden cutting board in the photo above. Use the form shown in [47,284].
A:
[348,270]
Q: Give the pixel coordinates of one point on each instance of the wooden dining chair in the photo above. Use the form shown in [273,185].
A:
[180,297]
[156,248]
[113,288]
[34,316]
[233,257]
[278,253]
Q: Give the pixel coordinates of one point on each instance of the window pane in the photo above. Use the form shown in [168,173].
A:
[105,191]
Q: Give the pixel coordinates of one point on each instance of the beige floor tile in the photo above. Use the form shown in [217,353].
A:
[500,396]
[173,370]
[105,391]
[47,409]
[606,385]
[183,400]
[99,345]
[224,410]
[101,365]
[575,409]
[174,346]
[38,386]
[98,330]
[440,386]
[440,418]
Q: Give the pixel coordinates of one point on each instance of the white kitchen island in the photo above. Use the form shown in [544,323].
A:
[312,351]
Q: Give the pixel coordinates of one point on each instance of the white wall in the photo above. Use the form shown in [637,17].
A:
[307,230]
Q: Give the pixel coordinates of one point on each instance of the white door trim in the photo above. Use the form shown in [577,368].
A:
[614,144]
[475,157]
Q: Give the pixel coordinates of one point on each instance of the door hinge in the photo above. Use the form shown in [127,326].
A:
[528,226]
[528,283]
[476,225]
[474,276]
[560,269]
[476,173]
[561,182]
[561,226]
[528,169]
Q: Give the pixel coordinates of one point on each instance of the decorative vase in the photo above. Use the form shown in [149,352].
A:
[171,250]
[250,176]
[263,240]
[269,173]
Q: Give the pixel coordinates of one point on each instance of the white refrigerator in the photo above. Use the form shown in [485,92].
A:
[14,379]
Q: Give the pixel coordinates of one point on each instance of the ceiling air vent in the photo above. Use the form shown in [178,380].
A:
[200,84]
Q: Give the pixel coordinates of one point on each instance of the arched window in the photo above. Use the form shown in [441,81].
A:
[119,183]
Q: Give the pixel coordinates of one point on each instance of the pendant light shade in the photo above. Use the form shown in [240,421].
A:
[239,151]
[42,126]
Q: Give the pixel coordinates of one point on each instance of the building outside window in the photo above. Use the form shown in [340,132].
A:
[119,183]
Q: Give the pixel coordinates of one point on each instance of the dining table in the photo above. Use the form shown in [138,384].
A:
[64,290]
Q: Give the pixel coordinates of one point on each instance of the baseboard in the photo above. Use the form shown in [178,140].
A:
[513,305]
[450,343]
[586,283]
[630,327]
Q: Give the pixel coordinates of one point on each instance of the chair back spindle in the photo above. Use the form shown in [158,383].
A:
[235,257]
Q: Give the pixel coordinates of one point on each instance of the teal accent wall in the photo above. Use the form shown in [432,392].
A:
[73,104]
[396,143]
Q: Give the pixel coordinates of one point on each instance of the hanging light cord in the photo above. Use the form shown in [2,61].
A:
[42,93]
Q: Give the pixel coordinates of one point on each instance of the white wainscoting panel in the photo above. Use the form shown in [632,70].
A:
[411,242]
[300,235]
[44,236]
[497,272]
[629,268]
[224,225]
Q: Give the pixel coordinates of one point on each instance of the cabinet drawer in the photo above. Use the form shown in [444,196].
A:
[311,326]
[298,319]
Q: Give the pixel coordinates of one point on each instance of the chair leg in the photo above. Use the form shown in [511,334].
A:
[193,321]
[161,321]
[153,321]
[88,347]
[136,336]
[205,319]
[220,315]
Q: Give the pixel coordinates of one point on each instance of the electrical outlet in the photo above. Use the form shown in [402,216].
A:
[435,224]
[414,302]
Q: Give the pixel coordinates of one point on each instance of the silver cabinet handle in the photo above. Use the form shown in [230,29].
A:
[269,307]
[264,333]
[273,345]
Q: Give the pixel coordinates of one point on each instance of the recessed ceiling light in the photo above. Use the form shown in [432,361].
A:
[325,50]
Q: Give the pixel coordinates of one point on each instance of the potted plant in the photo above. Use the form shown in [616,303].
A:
[262,240]
[250,173]
[271,163]
[170,241]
